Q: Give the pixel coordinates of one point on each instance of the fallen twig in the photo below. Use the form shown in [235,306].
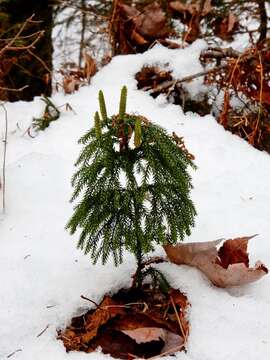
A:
[179,321]
[43,331]
[14,90]
[50,306]
[92,301]
[173,83]
[13,353]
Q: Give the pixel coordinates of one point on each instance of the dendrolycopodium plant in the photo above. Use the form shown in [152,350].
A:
[133,187]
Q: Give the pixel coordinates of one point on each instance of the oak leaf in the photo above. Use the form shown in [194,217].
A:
[224,268]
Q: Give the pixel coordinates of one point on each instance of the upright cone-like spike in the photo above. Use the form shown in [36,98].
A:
[123,103]
[138,133]
[102,106]
[97,125]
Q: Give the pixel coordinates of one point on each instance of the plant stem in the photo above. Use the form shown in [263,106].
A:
[139,253]
[138,275]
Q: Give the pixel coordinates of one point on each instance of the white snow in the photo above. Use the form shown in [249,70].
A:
[42,275]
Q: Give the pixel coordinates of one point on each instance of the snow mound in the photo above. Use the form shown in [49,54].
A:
[42,275]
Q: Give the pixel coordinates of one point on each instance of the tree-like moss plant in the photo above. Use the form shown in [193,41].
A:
[133,187]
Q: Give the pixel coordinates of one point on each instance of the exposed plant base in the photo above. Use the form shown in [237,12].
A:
[132,323]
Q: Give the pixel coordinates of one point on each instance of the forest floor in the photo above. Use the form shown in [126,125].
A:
[42,275]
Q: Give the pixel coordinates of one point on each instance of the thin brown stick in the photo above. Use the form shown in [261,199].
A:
[9,45]
[92,301]
[111,26]
[23,37]
[13,353]
[172,83]
[14,90]
[43,331]
[30,46]
[128,305]
[179,321]
[11,42]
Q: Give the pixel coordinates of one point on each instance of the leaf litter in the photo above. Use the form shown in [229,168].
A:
[132,323]
[148,322]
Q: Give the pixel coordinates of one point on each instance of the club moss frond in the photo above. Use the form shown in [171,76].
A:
[130,198]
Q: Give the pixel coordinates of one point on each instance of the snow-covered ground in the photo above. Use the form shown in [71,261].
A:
[42,275]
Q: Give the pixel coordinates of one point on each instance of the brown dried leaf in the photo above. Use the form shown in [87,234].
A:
[149,77]
[192,9]
[70,84]
[152,23]
[206,258]
[172,342]
[191,15]
[115,343]
[77,335]
[131,322]
[137,38]
[233,252]
[130,11]
[146,334]
[182,8]
[187,253]
[101,316]
[90,67]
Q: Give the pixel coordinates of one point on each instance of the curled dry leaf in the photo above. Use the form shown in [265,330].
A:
[75,77]
[70,84]
[91,324]
[191,15]
[136,30]
[226,267]
[150,77]
[148,334]
[151,23]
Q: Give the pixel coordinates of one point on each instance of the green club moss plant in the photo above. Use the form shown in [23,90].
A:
[132,187]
